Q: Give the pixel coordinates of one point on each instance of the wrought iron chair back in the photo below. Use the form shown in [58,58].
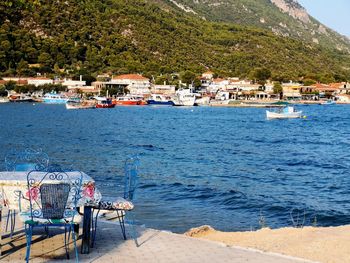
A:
[53,199]
[130,179]
[26,160]
[53,195]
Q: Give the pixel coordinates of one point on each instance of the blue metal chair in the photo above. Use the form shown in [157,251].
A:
[24,160]
[51,201]
[121,205]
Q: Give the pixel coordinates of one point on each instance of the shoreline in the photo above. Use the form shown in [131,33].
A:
[322,244]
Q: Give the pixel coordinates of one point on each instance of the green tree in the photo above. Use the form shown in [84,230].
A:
[10,85]
[308,82]
[277,89]
[261,75]
[45,59]
[187,77]
[22,67]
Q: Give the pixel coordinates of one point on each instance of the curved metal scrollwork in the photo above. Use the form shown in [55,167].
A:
[26,160]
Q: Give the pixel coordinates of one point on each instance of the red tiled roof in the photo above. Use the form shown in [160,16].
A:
[208,72]
[218,80]
[37,78]
[131,77]
[22,82]
[324,87]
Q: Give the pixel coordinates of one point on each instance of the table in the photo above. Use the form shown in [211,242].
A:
[12,182]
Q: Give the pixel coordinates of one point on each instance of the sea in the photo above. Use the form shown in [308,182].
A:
[225,167]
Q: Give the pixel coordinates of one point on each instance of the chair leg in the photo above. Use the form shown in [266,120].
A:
[29,233]
[66,241]
[8,219]
[121,222]
[13,223]
[94,226]
[11,218]
[75,246]
[133,228]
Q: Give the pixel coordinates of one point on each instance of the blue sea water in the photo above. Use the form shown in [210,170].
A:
[226,167]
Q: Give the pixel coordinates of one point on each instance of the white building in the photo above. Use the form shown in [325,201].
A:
[163,89]
[136,84]
[218,84]
[39,81]
[73,83]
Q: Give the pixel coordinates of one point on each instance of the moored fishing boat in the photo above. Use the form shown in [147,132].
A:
[76,103]
[104,103]
[55,98]
[328,102]
[285,113]
[158,99]
[184,97]
[3,100]
[127,100]
[20,98]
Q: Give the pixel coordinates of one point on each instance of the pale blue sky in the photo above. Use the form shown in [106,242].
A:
[333,13]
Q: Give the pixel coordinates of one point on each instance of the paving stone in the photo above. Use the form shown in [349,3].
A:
[154,246]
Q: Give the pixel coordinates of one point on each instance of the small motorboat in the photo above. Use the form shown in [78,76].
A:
[284,113]
[104,103]
[328,102]
[20,98]
[160,100]
[76,103]
[128,101]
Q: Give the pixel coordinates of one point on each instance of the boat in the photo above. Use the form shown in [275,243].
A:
[284,113]
[127,100]
[158,99]
[55,98]
[3,100]
[76,103]
[184,97]
[203,101]
[20,98]
[327,102]
[104,103]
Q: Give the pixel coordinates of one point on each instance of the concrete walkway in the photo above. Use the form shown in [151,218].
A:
[154,246]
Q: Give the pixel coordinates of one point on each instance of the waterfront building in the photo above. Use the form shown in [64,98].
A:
[326,91]
[291,91]
[163,89]
[135,83]
[38,81]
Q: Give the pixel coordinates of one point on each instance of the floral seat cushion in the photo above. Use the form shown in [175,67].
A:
[116,204]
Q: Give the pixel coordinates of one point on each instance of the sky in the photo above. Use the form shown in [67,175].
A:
[332,13]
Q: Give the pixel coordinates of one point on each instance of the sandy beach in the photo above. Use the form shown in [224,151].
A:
[323,244]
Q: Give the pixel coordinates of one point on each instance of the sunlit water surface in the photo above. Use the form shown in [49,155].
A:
[226,167]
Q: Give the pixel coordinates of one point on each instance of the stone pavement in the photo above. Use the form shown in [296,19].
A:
[154,246]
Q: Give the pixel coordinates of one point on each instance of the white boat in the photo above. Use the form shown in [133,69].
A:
[55,98]
[328,102]
[285,113]
[184,97]
[203,101]
[3,100]
[75,104]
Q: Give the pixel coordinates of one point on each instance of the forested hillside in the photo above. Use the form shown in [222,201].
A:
[116,36]
[283,17]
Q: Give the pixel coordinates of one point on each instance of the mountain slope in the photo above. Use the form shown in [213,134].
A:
[90,37]
[283,17]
